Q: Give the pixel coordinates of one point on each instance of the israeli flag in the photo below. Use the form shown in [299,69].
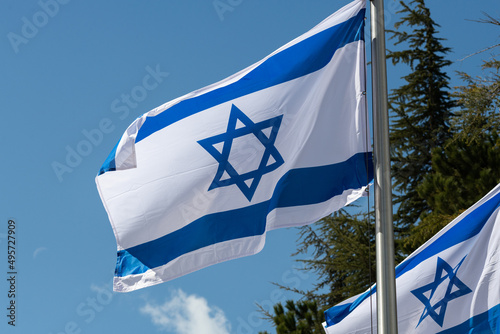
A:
[201,179]
[451,284]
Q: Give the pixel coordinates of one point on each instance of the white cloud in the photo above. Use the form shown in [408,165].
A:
[187,314]
[38,251]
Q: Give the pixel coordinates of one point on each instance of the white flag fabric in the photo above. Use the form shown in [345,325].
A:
[201,179]
[451,284]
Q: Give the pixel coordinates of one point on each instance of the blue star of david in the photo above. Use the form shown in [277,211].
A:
[438,310]
[247,182]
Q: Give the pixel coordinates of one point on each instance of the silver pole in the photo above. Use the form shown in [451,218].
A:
[386,282]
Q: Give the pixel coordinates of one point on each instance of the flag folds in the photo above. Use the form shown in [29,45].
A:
[451,284]
[201,179]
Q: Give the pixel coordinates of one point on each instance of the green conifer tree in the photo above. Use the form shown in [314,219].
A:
[421,109]
[466,168]
[342,254]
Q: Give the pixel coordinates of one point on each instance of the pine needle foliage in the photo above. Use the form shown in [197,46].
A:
[420,109]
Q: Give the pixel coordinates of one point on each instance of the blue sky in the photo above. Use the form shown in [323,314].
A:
[73,78]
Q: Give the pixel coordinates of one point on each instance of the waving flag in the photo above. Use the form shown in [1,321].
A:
[451,284]
[201,179]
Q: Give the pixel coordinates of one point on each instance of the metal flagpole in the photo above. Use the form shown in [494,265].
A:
[386,283]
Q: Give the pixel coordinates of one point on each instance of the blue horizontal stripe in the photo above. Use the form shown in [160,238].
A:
[301,59]
[484,323]
[297,187]
[465,229]
[296,61]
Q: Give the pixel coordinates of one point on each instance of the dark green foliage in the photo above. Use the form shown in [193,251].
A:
[479,100]
[343,256]
[420,109]
[467,167]
[463,173]
[303,317]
